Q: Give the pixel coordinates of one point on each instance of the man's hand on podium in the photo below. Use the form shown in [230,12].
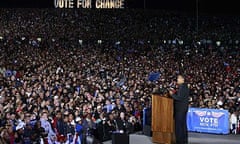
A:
[172,91]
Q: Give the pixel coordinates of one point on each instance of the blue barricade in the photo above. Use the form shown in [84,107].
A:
[147,116]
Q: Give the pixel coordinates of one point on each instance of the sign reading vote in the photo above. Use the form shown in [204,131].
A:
[208,120]
[104,4]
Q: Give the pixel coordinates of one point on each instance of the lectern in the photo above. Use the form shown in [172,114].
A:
[162,120]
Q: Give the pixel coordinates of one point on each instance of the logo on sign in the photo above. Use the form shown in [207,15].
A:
[208,118]
[201,113]
[217,114]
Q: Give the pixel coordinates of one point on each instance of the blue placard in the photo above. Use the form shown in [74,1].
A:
[147,116]
[208,120]
[154,76]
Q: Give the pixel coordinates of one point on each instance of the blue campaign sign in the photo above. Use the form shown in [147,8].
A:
[208,120]
[154,76]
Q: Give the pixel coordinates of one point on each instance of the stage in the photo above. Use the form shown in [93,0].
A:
[194,138]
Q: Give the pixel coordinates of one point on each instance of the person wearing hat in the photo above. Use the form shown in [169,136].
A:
[19,133]
[78,131]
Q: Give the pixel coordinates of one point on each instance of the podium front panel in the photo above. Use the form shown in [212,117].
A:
[162,120]
[162,114]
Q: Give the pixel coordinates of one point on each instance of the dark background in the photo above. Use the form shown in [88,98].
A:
[222,7]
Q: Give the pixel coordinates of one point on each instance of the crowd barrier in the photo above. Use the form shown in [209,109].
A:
[202,120]
[147,116]
[208,120]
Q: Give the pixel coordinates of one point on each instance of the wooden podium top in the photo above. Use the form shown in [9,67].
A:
[167,95]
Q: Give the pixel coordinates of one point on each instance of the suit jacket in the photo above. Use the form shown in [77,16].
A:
[121,124]
[181,98]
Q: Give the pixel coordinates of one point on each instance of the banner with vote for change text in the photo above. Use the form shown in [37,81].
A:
[208,120]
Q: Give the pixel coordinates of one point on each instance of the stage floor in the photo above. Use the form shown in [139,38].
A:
[194,138]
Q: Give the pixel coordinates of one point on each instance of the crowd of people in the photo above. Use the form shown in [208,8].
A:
[69,74]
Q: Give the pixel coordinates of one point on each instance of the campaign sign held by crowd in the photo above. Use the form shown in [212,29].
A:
[154,76]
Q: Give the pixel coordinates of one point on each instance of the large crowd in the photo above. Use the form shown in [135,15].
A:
[68,73]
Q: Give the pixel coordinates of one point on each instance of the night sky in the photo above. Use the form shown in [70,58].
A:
[189,6]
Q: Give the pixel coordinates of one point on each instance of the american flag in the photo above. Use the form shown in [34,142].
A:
[75,140]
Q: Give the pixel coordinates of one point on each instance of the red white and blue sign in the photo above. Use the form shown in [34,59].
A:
[208,120]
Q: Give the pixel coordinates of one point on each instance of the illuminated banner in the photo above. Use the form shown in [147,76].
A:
[99,4]
[208,120]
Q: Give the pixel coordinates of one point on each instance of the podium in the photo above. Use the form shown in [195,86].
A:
[162,120]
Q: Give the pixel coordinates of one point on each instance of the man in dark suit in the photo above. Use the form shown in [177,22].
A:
[180,110]
[121,122]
